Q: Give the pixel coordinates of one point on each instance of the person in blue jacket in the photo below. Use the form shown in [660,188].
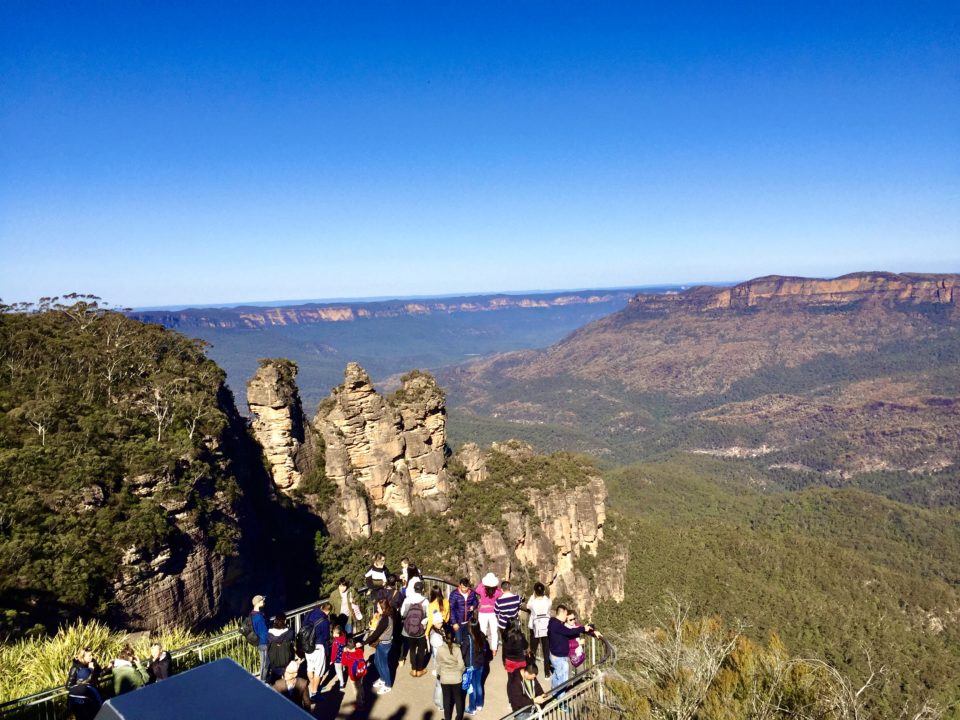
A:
[463,605]
[259,623]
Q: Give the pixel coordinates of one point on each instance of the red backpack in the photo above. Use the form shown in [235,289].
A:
[358,669]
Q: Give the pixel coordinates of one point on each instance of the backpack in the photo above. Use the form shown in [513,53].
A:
[248,632]
[413,622]
[540,624]
[307,637]
[358,669]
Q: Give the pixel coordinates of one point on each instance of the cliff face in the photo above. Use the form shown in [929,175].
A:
[258,317]
[279,423]
[564,524]
[203,571]
[387,456]
[907,288]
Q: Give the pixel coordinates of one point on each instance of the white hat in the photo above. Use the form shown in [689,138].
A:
[490,580]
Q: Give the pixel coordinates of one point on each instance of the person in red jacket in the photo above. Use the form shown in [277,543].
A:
[355,667]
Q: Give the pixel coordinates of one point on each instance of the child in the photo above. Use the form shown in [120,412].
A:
[337,643]
[355,665]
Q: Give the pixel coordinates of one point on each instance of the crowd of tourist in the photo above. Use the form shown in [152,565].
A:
[455,637]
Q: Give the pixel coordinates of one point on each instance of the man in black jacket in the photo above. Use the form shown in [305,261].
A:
[523,688]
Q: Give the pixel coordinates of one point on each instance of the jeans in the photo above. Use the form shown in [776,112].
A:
[475,698]
[264,662]
[462,633]
[382,663]
[561,670]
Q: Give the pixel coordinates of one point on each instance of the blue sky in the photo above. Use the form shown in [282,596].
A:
[168,153]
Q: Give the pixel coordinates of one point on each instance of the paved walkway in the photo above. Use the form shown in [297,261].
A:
[411,698]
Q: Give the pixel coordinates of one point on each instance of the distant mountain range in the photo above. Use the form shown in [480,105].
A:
[386,337]
[847,376]
[252,316]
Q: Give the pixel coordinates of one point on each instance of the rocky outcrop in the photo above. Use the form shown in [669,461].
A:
[279,422]
[387,455]
[563,527]
[775,290]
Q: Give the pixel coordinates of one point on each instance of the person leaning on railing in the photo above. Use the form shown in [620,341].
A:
[558,637]
[523,688]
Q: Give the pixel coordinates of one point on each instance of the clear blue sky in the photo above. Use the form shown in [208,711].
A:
[203,152]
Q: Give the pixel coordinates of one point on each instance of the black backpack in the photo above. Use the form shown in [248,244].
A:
[307,637]
[248,632]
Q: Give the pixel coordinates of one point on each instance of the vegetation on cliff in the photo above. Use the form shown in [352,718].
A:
[108,448]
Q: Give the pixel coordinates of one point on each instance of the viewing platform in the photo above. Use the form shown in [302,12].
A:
[582,696]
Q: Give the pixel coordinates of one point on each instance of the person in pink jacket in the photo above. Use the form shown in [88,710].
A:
[489,591]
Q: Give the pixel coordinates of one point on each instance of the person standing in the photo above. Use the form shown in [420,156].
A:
[558,636]
[381,639]
[259,623]
[280,647]
[343,601]
[414,614]
[338,642]
[158,666]
[488,592]
[474,652]
[376,575]
[539,607]
[514,648]
[507,606]
[450,667]
[463,604]
[356,668]
[128,673]
[319,620]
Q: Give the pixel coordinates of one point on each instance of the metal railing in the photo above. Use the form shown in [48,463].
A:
[579,697]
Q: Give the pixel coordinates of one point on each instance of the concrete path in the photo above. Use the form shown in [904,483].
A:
[411,698]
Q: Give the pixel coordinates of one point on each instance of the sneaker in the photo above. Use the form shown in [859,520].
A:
[384,690]
[401,663]
[378,684]
[479,708]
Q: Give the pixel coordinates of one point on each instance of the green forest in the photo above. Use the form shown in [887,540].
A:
[841,575]
[107,428]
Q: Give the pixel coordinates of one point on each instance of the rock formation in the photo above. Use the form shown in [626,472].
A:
[279,423]
[563,525]
[387,456]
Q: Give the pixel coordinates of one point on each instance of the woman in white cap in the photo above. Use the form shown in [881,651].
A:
[489,592]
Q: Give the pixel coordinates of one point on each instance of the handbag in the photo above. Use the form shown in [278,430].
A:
[357,612]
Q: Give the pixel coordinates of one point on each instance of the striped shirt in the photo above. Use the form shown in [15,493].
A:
[507,608]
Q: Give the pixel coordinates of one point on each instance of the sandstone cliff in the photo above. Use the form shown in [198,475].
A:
[386,455]
[774,290]
[552,537]
[311,313]
[279,422]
